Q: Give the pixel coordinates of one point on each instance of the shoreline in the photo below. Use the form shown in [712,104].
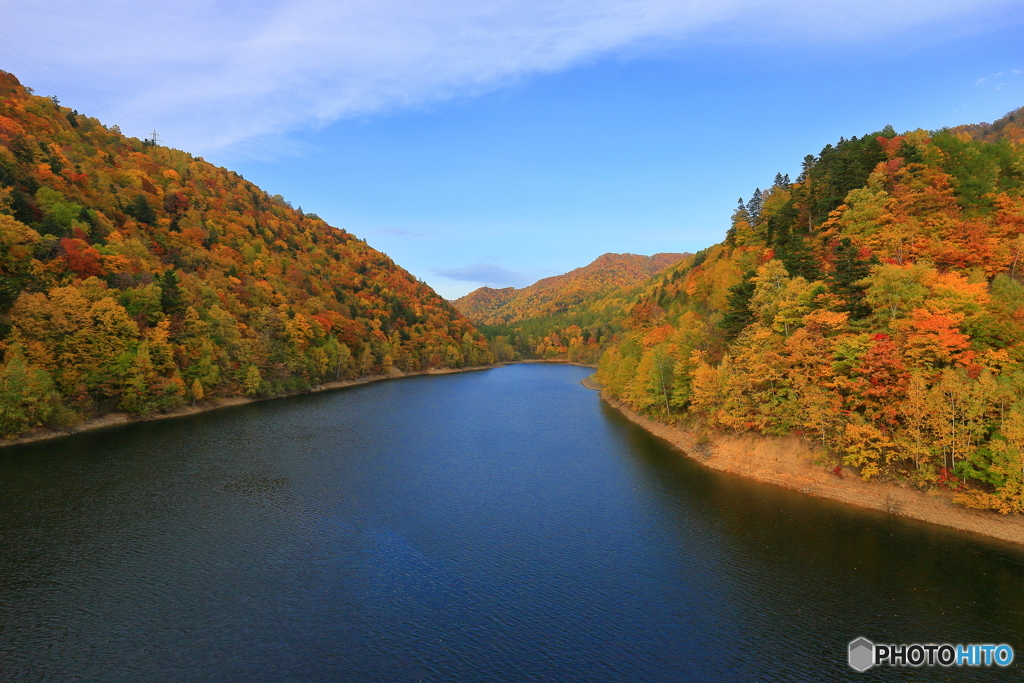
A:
[782,461]
[787,462]
[115,419]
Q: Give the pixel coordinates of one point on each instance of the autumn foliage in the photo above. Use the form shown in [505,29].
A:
[137,277]
[873,305]
[541,320]
[558,293]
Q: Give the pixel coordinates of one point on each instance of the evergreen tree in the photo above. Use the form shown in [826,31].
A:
[140,210]
[807,166]
[837,170]
[740,217]
[911,153]
[850,270]
[170,295]
[798,258]
[738,314]
[754,205]
[781,224]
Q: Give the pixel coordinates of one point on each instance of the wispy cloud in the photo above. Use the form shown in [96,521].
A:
[486,274]
[999,79]
[218,74]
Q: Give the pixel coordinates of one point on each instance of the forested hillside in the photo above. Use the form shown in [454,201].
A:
[545,319]
[1010,127]
[481,303]
[873,305]
[558,293]
[137,277]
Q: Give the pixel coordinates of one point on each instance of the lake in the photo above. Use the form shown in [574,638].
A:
[500,525]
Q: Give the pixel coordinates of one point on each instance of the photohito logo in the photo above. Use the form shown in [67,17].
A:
[863,654]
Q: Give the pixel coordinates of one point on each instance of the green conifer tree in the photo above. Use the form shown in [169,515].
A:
[845,280]
[738,314]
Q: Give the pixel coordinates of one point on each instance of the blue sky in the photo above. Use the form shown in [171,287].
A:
[497,142]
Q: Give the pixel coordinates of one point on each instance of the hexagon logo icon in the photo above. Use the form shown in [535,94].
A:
[862,654]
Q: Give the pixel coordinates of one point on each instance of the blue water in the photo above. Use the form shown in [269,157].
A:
[502,525]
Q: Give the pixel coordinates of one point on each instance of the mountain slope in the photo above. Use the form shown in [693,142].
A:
[481,303]
[558,293]
[1009,127]
[137,277]
[874,306]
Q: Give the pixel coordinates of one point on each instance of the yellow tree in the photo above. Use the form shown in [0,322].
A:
[253,381]
[138,390]
[197,391]
[895,290]
[779,300]
[28,397]
[652,384]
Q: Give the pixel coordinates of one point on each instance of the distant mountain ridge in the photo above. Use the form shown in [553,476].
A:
[484,301]
[1009,128]
[556,294]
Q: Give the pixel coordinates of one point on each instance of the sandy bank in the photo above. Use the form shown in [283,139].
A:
[788,462]
[118,418]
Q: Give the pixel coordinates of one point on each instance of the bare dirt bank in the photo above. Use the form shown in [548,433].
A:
[118,418]
[788,462]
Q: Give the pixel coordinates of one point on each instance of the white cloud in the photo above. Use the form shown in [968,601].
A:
[218,74]
[1003,77]
[486,274]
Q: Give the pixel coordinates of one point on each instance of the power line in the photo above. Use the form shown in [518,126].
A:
[39,65]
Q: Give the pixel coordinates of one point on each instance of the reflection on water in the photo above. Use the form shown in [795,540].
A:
[488,526]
